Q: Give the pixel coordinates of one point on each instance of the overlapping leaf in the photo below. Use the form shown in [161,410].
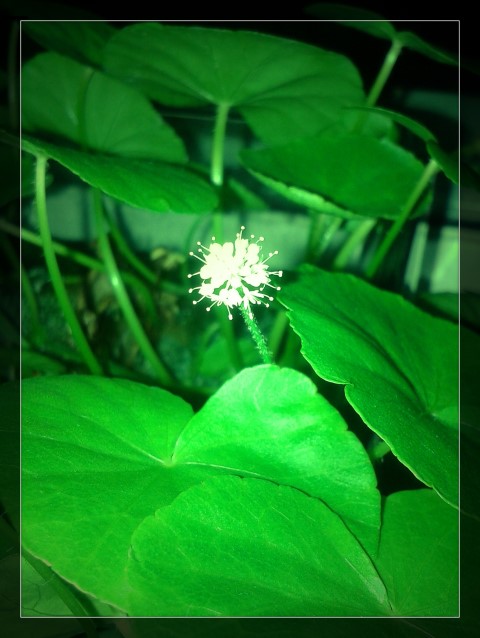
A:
[399,364]
[155,186]
[341,174]
[284,89]
[101,456]
[70,101]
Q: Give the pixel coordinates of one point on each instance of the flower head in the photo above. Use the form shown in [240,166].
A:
[234,273]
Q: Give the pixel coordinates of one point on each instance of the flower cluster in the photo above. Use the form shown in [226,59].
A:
[234,273]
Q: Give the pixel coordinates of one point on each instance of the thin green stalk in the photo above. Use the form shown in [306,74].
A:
[356,237]
[54,271]
[315,243]
[122,297]
[130,256]
[430,169]
[64,592]
[217,162]
[257,335]
[276,333]
[380,81]
[12,75]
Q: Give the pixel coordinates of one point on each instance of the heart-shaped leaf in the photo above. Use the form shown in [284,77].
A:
[399,364]
[100,456]
[340,174]
[283,89]
[155,186]
[65,99]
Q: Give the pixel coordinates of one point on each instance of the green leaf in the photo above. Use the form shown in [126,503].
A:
[418,556]
[340,174]
[374,24]
[448,162]
[147,184]
[10,451]
[65,99]
[245,547]
[283,89]
[83,41]
[100,456]
[299,440]
[399,364]
[39,597]
[412,125]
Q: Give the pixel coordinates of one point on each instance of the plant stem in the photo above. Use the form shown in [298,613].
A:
[380,81]
[355,237]
[217,161]
[276,333]
[257,335]
[430,169]
[122,297]
[317,224]
[130,256]
[54,271]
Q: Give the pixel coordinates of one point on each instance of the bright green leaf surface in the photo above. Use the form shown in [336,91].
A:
[100,456]
[39,598]
[418,557]
[145,184]
[63,98]
[357,173]
[284,89]
[295,438]
[84,41]
[235,546]
[399,364]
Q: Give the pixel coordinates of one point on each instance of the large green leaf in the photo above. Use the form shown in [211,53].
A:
[374,24]
[418,556]
[100,456]
[399,364]
[84,41]
[148,184]
[63,98]
[284,89]
[341,173]
[245,547]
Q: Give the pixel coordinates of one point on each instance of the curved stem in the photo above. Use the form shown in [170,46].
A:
[54,270]
[358,235]
[257,335]
[430,169]
[130,256]
[122,297]
[380,81]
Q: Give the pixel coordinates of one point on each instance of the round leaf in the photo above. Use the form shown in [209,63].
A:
[246,547]
[400,367]
[63,98]
[284,89]
[353,173]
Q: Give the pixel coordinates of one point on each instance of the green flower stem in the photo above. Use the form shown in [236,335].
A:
[217,162]
[130,256]
[122,297]
[356,237]
[64,592]
[54,270]
[430,169]
[257,335]
[380,81]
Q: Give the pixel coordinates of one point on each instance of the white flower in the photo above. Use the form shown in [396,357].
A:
[234,274]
